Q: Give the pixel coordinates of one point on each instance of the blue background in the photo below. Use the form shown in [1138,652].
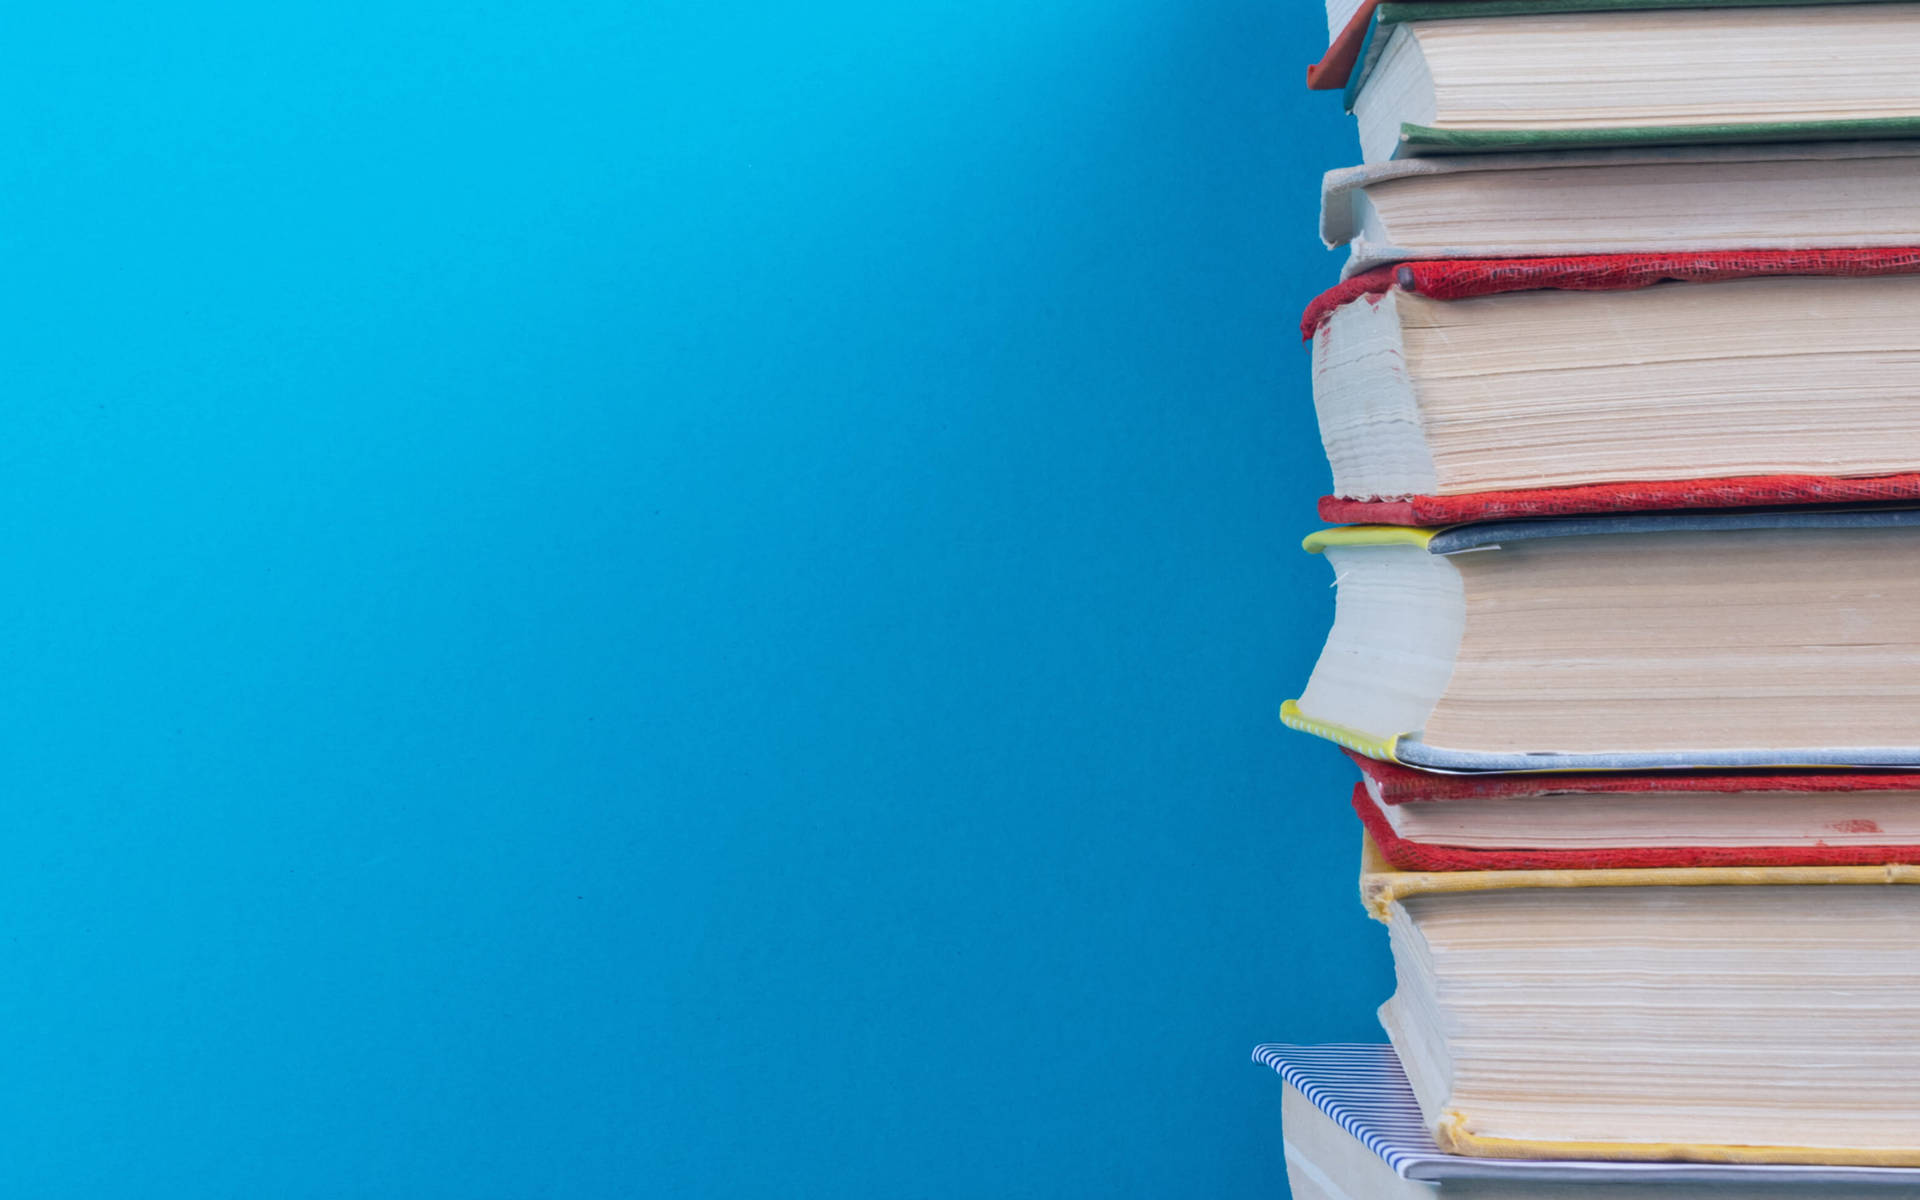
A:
[662,598]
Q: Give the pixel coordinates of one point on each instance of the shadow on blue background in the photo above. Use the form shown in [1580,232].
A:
[666,598]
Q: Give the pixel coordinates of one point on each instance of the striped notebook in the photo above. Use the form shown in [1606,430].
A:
[1361,1088]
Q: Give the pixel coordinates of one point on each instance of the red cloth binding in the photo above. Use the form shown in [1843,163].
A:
[1336,65]
[1422,856]
[1461,278]
[1398,784]
[1747,491]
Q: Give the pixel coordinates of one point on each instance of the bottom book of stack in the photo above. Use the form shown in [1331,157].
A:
[1353,1131]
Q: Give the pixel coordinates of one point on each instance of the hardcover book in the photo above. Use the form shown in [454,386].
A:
[1719,1014]
[1478,389]
[1770,639]
[1423,821]
[1452,77]
[1352,1128]
[1349,22]
[1663,200]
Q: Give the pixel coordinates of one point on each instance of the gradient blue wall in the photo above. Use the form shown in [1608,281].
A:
[662,598]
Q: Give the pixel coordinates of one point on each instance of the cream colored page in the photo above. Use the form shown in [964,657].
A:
[1705,205]
[1752,377]
[1675,67]
[1744,640]
[1840,818]
[1715,1014]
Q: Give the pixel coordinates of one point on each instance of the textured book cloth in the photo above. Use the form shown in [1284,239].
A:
[1382,883]
[1398,785]
[1425,139]
[1407,854]
[1459,279]
[1363,1090]
[1745,491]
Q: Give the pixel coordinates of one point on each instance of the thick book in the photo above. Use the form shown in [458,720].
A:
[1479,389]
[1664,200]
[1717,1014]
[1350,1127]
[1423,821]
[1779,639]
[1438,78]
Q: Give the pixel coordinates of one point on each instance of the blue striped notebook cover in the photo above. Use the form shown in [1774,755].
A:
[1362,1088]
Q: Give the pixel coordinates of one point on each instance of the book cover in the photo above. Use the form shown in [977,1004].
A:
[1741,491]
[1407,854]
[1426,140]
[1460,279]
[1398,785]
[1382,883]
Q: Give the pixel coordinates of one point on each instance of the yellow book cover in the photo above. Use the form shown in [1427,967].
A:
[1381,883]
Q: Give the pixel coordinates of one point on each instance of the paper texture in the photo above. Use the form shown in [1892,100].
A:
[1362,1089]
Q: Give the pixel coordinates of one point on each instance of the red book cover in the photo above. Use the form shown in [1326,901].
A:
[1398,785]
[1462,278]
[1457,279]
[1335,67]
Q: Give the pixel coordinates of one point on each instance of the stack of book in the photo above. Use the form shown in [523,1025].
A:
[1621,392]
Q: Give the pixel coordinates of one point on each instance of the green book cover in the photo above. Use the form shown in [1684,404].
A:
[1424,140]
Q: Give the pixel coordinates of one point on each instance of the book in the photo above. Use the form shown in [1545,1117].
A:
[1352,1128]
[1626,819]
[1435,78]
[1768,639]
[1663,199]
[1714,1014]
[1349,22]
[1481,388]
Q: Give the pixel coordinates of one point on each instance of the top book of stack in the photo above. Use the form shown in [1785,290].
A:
[1473,76]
